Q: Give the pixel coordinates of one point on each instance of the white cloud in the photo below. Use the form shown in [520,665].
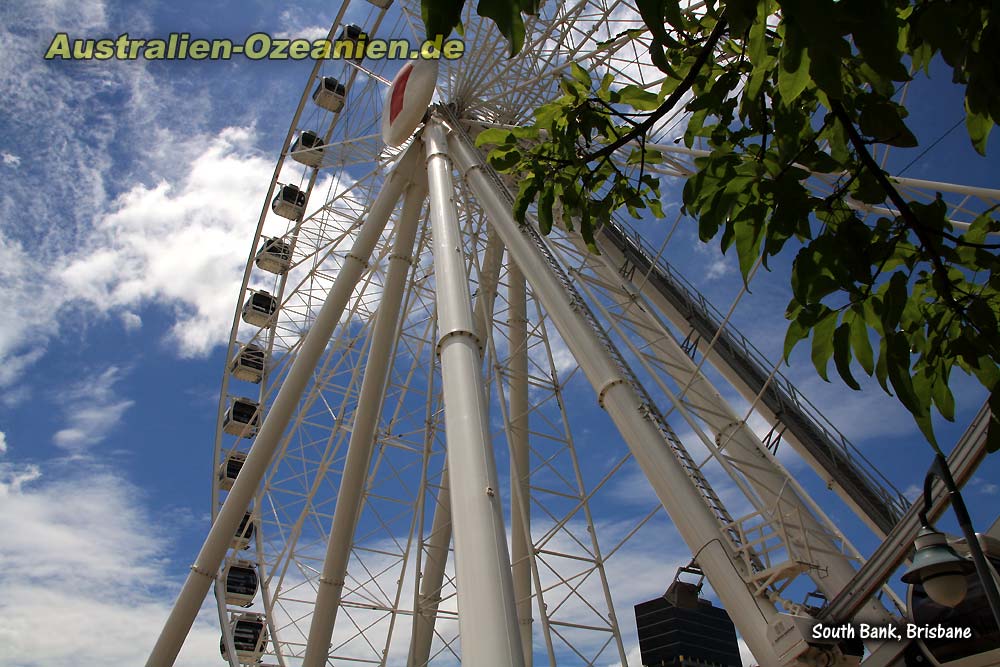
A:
[62,113]
[718,265]
[92,409]
[181,245]
[83,579]
[13,477]
[296,24]
[3,442]
[982,486]
[131,321]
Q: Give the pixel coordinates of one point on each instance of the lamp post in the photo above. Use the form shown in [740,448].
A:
[935,564]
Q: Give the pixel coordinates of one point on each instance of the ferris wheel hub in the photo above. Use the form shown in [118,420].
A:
[407,99]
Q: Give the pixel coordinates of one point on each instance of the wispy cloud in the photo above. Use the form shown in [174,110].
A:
[294,23]
[206,216]
[176,238]
[984,487]
[93,410]
[716,264]
[131,321]
[83,580]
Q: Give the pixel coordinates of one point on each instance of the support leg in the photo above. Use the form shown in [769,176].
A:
[206,566]
[362,442]
[678,495]
[436,549]
[520,503]
[486,606]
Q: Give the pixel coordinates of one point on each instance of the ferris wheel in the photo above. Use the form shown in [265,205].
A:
[431,419]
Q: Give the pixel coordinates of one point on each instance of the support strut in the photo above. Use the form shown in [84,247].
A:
[206,566]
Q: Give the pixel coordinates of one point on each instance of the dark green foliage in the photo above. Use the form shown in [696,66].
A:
[782,88]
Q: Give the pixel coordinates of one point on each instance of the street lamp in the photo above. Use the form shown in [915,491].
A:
[935,564]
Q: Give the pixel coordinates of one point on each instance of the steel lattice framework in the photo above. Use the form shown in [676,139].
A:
[421,475]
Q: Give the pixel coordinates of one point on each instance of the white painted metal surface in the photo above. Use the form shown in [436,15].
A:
[486,603]
[395,556]
[238,500]
[366,419]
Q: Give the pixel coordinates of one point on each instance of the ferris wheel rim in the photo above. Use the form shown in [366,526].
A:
[234,344]
[488,107]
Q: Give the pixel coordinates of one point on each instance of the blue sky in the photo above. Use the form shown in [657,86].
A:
[131,191]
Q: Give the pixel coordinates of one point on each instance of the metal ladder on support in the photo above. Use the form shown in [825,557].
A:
[648,407]
[840,459]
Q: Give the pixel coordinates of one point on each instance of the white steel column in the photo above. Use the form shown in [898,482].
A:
[436,546]
[227,522]
[486,605]
[489,275]
[520,499]
[436,549]
[811,535]
[362,442]
[678,495]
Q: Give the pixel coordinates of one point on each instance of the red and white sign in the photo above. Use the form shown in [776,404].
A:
[407,100]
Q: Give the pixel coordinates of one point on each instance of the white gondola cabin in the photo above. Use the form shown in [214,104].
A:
[241,540]
[290,202]
[242,583]
[248,364]
[242,418]
[330,94]
[259,308]
[353,33]
[229,469]
[306,149]
[249,638]
[274,256]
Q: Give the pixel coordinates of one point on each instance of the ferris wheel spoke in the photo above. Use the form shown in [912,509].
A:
[554,326]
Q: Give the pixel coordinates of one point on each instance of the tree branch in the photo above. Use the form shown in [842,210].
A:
[670,102]
[905,212]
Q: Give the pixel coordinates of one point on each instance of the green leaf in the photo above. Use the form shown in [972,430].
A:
[441,16]
[740,14]
[639,98]
[867,189]
[882,366]
[504,160]
[496,136]
[860,343]
[893,301]
[652,13]
[525,195]
[793,75]
[979,126]
[795,333]
[993,430]
[545,202]
[842,355]
[944,399]
[883,122]
[898,370]
[507,16]
[747,236]
[822,347]
[530,7]
[580,75]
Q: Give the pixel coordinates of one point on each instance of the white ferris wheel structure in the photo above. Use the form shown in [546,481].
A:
[429,412]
